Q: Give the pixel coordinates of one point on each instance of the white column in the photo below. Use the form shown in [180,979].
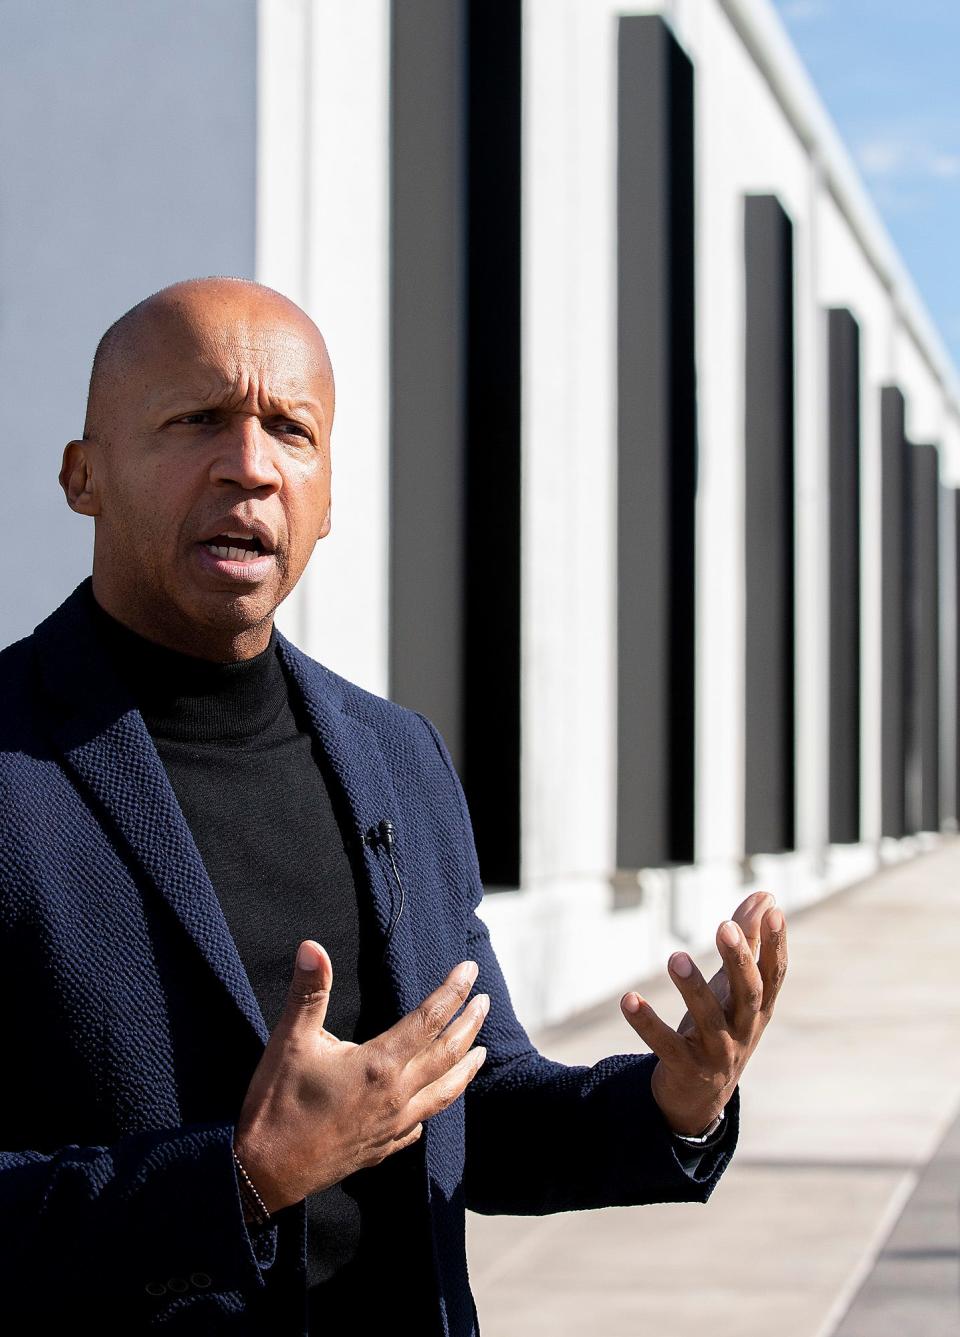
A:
[569,441]
[812,622]
[323,239]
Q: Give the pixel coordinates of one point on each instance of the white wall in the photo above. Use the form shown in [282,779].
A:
[322,238]
[126,134]
[759,128]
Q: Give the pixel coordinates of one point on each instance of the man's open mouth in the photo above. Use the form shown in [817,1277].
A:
[235,547]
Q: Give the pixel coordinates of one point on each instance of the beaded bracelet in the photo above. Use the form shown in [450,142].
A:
[250,1195]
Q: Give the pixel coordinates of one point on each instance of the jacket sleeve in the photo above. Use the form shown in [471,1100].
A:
[131,1229]
[543,1136]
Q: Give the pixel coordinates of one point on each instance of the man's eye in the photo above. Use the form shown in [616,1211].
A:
[289,428]
[200,416]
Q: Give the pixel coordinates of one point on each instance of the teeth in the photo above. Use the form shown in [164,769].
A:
[232,554]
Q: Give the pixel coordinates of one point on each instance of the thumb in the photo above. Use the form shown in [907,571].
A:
[309,991]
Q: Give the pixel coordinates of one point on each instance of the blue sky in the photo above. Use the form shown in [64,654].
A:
[889,74]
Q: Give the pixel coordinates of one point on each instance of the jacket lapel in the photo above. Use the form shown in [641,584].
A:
[357,760]
[105,743]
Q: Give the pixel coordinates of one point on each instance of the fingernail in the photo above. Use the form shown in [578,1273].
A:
[730,933]
[482,1003]
[469,971]
[681,964]
[630,1003]
[481,1051]
[775,920]
[307,958]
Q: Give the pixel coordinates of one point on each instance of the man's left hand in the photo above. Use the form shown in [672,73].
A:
[701,1061]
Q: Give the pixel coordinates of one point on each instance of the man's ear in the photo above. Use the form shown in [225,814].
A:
[76,479]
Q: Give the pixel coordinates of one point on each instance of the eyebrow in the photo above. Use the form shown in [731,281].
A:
[195,400]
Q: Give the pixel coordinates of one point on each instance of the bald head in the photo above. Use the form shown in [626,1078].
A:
[205,462]
[193,310]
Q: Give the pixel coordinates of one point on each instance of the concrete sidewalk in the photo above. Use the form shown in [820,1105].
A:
[840,1212]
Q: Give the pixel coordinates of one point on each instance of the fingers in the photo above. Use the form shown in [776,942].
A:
[309,991]
[746,984]
[406,1139]
[773,958]
[437,1095]
[424,1062]
[749,914]
[419,1028]
[702,1004]
[655,1034]
[450,1045]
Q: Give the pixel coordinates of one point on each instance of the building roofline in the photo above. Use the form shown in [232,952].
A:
[759,27]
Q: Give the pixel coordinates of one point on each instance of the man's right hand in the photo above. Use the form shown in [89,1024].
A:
[318,1108]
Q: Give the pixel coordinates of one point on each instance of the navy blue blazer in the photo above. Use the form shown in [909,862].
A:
[132,1030]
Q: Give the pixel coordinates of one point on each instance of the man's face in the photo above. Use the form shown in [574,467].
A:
[213,484]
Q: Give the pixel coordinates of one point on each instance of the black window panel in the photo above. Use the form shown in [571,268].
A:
[427,361]
[844,564]
[895,614]
[924,747]
[492,663]
[769,535]
[455,397]
[656,447]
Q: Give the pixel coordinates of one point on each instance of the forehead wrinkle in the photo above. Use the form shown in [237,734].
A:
[216,321]
[234,389]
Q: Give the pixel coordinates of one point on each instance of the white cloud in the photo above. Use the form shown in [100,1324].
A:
[945,164]
[906,156]
[801,11]
[881,157]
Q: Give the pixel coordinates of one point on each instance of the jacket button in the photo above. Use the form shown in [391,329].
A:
[177,1284]
[155,1288]
[200,1280]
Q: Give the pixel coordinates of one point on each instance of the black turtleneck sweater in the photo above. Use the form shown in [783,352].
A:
[270,824]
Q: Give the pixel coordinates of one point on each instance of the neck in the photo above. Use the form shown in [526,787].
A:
[165,626]
[185,698]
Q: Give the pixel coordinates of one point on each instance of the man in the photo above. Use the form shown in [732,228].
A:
[193,1140]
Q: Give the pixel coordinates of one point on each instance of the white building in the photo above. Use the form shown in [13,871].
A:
[628,493]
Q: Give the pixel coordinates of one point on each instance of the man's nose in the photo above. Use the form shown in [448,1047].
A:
[247,457]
